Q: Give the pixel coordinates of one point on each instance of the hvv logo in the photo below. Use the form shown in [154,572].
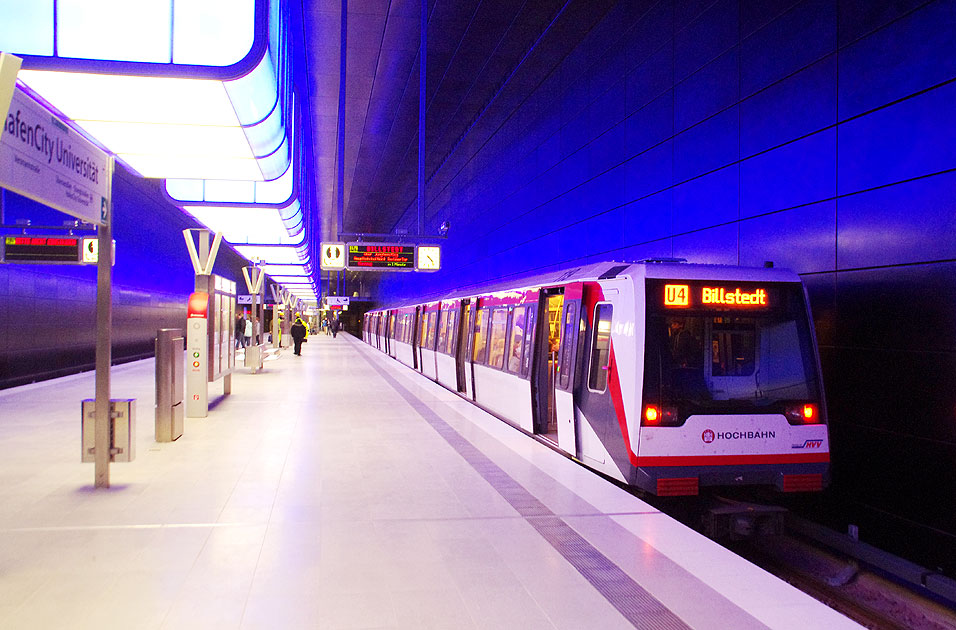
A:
[809,444]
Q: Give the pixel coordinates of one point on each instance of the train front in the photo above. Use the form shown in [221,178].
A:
[732,393]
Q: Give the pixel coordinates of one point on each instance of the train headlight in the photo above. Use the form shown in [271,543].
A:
[807,413]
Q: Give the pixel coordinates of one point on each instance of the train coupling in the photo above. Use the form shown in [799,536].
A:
[739,520]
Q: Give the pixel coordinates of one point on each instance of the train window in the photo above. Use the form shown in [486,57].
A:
[517,340]
[600,347]
[567,348]
[422,328]
[499,322]
[442,329]
[481,336]
[528,335]
[432,329]
[452,332]
[732,345]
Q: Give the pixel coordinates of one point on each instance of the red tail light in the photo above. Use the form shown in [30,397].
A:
[657,416]
[807,413]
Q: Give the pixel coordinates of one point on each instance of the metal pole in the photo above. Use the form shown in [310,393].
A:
[102,441]
[421,121]
[340,175]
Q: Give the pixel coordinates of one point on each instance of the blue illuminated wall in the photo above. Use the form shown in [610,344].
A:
[820,135]
[48,313]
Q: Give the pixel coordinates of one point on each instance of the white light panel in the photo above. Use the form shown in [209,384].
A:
[114,29]
[270,255]
[243,224]
[289,270]
[292,279]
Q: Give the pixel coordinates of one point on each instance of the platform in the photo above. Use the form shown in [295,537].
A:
[340,489]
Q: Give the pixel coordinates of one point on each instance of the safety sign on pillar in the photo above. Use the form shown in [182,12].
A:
[203,258]
[197,355]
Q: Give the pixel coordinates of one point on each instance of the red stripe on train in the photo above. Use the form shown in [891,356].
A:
[726,460]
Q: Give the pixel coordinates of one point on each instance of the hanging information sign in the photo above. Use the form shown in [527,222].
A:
[381,257]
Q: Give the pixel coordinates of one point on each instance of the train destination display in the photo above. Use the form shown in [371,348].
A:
[380,256]
[691,295]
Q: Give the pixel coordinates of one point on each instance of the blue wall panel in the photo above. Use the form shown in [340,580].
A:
[708,146]
[796,106]
[796,39]
[705,39]
[797,173]
[911,138]
[707,91]
[707,201]
[909,55]
[714,246]
[801,239]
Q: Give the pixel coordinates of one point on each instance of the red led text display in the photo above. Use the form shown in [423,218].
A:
[40,249]
[379,256]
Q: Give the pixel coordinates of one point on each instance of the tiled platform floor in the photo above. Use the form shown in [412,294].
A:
[340,490]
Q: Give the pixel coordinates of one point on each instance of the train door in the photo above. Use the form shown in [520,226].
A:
[455,326]
[416,338]
[468,332]
[545,362]
[390,334]
[567,372]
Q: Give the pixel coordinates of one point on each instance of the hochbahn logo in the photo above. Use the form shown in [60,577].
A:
[709,436]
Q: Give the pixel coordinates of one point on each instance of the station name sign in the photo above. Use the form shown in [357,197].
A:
[687,296]
[367,256]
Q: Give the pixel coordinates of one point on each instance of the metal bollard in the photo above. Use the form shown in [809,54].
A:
[169,384]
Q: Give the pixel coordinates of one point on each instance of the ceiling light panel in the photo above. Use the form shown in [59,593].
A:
[269,255]
[244,224]
[114,29]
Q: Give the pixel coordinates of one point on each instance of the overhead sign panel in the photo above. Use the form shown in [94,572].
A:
[333,257]
[43,159]
[381,257]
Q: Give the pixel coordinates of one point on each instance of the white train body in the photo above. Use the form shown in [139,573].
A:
[666,376]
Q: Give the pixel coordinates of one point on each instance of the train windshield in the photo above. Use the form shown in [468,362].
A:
[728,347]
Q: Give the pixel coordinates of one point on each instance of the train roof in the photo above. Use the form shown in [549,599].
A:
[655,268]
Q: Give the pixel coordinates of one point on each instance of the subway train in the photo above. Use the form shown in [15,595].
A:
[664,375]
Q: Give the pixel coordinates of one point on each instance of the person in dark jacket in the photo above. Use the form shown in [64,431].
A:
[299,332]
[336,325]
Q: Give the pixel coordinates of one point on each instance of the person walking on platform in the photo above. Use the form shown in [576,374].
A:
[240,331]
[246,332]
[299,332]
[336,324]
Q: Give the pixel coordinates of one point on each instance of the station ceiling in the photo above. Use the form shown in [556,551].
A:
[473,46]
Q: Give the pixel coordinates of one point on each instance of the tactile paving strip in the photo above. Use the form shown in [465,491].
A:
[638,606]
